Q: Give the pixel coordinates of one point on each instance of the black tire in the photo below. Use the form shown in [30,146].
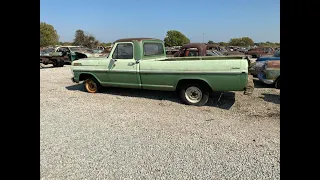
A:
[277,83]
[194,88]
[61,63]
[55,63]
[58,63]
[92,85]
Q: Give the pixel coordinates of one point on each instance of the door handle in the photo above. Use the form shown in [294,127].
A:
[114,60]
[137,61]
[131,64]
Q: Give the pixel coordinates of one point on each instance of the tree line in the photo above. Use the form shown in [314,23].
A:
[50,37]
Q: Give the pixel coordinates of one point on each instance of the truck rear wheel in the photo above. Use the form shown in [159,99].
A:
[92,85]
[194,94]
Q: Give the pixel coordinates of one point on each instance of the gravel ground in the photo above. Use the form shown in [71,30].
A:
[135,134]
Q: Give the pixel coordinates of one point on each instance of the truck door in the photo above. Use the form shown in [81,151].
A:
[122,67]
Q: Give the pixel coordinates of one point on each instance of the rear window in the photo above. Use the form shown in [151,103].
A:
[153,49]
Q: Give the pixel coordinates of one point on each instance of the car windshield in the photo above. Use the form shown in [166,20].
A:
[49,50]
[76,48]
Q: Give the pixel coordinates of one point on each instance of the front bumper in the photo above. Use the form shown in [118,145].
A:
[74,80]
[262,77]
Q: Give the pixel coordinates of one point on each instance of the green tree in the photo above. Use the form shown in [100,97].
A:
[65,43]
[82,39]
[91,42]
[236,42]
[79,38]
[48,35]
[175,38]
[269,44]
[210,42]
[105,44]
[244,41]
[223,44]
[247,41]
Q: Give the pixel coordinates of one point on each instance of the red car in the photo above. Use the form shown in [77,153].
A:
[258,52]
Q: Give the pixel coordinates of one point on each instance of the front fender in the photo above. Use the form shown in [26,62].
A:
[81,76]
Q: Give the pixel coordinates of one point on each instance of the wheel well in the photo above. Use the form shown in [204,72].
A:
[85,76]
[80,55]
[193,81]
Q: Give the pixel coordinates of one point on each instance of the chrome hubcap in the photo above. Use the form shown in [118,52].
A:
[193,94]
[91,85]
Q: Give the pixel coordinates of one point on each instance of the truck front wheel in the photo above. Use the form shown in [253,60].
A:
[92,85]
[194,94]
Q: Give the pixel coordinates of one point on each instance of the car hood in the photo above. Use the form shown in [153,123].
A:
[93,61]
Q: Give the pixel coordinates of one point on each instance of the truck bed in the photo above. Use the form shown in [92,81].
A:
[202,58]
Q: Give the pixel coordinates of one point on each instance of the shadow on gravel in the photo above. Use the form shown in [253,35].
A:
[274,98]
[259,84]
[226,100]
[42,66]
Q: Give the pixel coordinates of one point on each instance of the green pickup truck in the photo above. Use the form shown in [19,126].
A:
[142,63]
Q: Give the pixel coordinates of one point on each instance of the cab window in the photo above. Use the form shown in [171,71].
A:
[123,51]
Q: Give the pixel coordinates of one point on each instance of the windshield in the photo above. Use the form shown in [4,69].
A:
[76,48]
[49,50]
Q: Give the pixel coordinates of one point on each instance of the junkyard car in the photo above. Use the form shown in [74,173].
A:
[56,58]
[277,53]
[80,52]
[258,52]
[201,49]
[270,73]
[256,67]
[142,63]
[192,49]
[66,54]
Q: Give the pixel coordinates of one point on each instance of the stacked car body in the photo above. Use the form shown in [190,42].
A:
[270,71]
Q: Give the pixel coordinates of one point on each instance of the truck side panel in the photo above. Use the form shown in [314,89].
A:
[221,75]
